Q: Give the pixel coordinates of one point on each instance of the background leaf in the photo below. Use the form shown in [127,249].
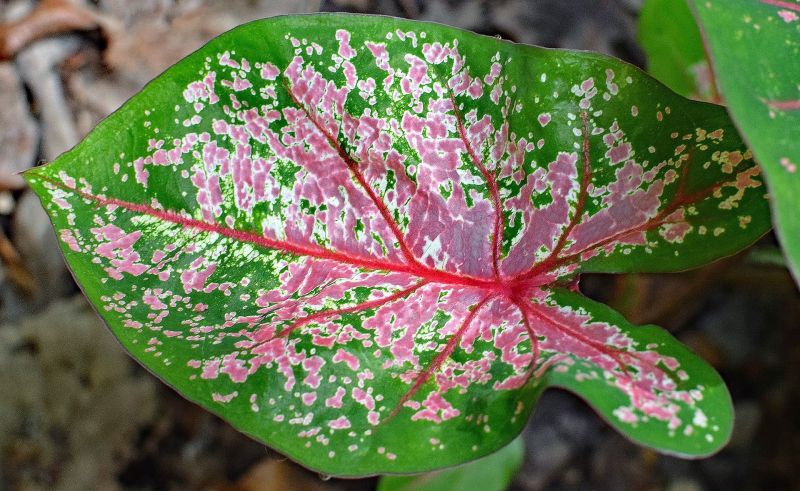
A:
[755,49]
[492,473]
[676,56]
[350,243]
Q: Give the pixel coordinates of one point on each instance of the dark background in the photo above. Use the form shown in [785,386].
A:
[77,413]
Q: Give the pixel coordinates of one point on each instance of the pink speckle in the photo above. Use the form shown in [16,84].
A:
[210,369]
[496,93]
[68,238]
[625,415]
[67,180]
[363,398]
[436,409]
[269,71]
[234,368]
[224,398]
[335,401]
[308,398]
[312,365]
[475,89]
[619,153]
[116,239]
[202,90]
[225,60]
[435,53]
[117,246]
[350,74]
[416,77]
[677,231]
[153,301]
[787,16]
[380,53]
[344,356]
[194,278]
[613,89]
[240,84]
[345,50]
[494,72]
[220,127]
[367,87]
[544,119]
[209,194]
[339,423]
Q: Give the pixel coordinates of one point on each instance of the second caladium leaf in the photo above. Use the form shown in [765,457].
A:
[755,49]
[355,238]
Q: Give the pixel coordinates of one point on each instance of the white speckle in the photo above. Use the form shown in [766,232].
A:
[700,419]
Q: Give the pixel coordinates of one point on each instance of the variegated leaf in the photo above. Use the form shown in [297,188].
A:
[754,47]
[349,236]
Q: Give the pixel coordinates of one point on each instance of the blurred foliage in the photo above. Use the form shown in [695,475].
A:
[492,473]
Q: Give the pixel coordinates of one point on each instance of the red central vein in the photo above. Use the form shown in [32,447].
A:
[371,304]
[300,250]
[494,192]
[352,165]
[441,357]
[782,4]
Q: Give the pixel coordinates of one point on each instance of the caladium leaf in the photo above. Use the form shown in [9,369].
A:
[350,237]
[755,49]
[675,52]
